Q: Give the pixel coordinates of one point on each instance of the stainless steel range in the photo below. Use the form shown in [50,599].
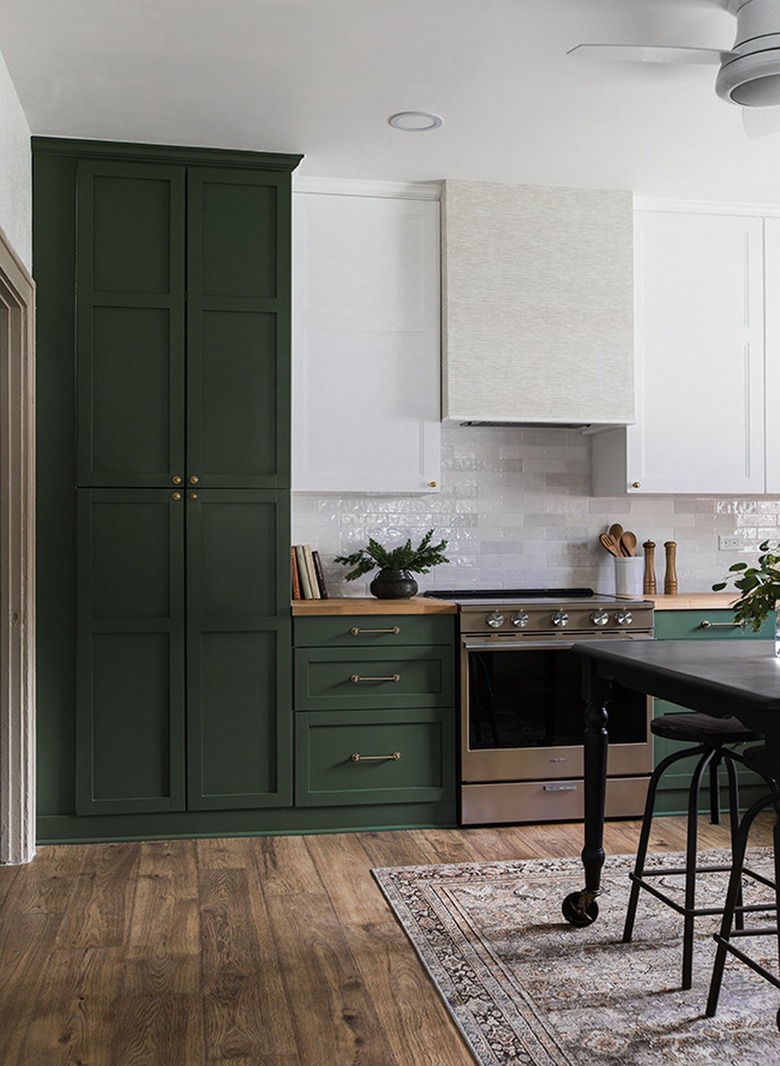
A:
[522,712]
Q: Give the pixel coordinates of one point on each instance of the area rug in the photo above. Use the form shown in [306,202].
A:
[524,986]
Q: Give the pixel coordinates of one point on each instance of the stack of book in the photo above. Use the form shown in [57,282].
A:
[308,582]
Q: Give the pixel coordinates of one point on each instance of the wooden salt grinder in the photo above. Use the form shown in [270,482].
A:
[670,580]
[648,588]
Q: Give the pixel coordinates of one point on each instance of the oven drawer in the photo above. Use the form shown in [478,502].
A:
[505,803]
[374,631]
[328,774]
[339,679]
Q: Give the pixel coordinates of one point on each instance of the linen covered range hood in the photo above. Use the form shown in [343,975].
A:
[537,305]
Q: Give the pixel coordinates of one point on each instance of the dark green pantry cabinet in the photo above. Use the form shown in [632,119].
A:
[163,537]
[181,318]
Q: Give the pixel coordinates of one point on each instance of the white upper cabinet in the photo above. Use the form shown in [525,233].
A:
[700,358]
[366,348]
[538,304]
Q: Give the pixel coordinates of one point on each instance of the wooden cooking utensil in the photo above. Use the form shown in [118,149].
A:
[608,542]
[628,543]
[616,531]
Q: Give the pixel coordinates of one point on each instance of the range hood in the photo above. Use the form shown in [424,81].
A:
[537,315]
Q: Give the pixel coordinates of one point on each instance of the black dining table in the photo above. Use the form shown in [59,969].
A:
[740,679]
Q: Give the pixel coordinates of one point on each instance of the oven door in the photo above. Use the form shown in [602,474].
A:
[523,714]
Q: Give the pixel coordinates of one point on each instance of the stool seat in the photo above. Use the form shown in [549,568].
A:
[698,728]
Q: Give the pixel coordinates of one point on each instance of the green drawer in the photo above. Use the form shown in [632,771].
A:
[326,774]
[374,631]
[339,679]
[687,625]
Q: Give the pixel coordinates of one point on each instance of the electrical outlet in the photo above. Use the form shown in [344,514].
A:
[732,544]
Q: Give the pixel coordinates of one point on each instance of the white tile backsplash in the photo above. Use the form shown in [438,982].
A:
[516,509]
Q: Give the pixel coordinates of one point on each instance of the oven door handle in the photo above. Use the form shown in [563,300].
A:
[501,644]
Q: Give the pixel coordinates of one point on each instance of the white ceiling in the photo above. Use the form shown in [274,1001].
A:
[321,77]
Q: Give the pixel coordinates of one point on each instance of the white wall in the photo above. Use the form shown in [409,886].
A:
[15,170]
[515,506]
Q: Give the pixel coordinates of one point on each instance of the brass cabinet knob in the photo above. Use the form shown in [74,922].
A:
[175,495]
[432,484]
[193,479]
[636,484]
[193,495]
[177,479]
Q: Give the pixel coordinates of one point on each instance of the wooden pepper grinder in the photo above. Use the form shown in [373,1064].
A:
[648,587]
[670,580]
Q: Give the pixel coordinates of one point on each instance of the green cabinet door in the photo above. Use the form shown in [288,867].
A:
[130,652]
[238,422]
[238,650]
[698,625]
[130,323]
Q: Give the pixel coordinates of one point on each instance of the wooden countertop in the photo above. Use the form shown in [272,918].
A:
[345,605]
[693,601]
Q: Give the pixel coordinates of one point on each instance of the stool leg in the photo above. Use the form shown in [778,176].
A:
[644,835]
[735,885]
[691,850]
[733,785]
[715,787]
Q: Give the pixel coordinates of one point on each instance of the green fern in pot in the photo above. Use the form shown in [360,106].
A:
[396,565]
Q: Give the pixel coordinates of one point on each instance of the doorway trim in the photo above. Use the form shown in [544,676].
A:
[17,558]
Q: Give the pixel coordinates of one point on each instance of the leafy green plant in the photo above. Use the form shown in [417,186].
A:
[759,586]
[417,560]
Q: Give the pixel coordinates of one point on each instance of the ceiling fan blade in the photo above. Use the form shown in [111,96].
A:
[760,121]
[648,53]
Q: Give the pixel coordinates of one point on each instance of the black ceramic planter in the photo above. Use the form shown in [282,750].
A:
[393,585]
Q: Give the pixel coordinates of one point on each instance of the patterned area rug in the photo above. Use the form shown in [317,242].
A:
[524,986]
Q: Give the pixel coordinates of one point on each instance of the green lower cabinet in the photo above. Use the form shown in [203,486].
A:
[357,757]
[375,715]
[698,625]
[161,689]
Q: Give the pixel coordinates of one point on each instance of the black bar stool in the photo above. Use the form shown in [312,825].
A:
[708,735]
[733,913]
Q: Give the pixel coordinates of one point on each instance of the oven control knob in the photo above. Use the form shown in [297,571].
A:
[494,620]
[599,618]
[560,619]
[623,617]
[520,619]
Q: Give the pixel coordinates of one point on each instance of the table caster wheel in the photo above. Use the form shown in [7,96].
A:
[575,913]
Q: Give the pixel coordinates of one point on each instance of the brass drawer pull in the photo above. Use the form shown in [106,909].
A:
[356,632]
[357,757]
[706,624]
[356,678]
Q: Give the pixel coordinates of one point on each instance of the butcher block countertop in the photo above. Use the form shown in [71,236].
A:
[344,605]
[693,601]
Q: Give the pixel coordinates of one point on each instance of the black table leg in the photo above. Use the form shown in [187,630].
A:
[581,908]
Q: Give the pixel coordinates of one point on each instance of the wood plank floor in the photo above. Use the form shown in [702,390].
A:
[241,952]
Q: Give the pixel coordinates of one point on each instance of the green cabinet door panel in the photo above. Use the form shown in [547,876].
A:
[130,323]
[327,772]
[374,631]
[238,309]
[687,625]
[238,650]
[344,679]
[130,652]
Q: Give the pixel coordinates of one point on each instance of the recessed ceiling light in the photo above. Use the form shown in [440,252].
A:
[415,121]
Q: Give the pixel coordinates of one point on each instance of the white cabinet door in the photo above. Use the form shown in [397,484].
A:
[772,358]
[700,360]
[366,407]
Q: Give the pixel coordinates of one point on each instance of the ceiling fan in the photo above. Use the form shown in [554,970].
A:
[749,72]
